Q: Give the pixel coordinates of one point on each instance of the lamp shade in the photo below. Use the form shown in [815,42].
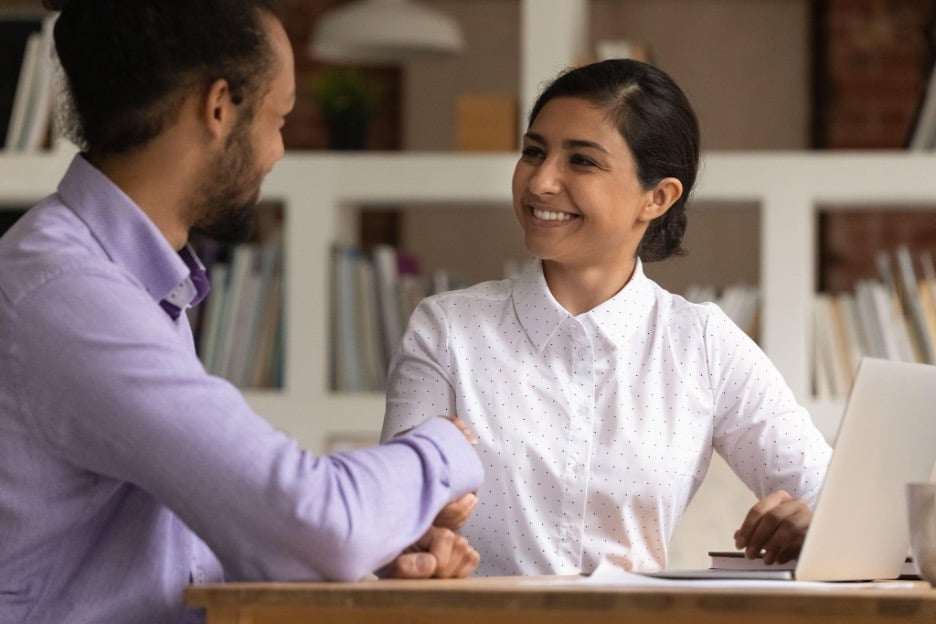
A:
[384,31]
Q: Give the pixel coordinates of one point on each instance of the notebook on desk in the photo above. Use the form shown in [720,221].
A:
[886,439]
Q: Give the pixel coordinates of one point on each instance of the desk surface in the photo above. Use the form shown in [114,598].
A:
[519,600]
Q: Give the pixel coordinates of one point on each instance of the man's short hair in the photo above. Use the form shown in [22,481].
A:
[129,63]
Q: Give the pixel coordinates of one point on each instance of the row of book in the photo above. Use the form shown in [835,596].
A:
[374,293]
[239,327]
[891,316]
[740,302]
[29,99]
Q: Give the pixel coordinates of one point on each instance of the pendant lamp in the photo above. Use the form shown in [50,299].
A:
[384,31]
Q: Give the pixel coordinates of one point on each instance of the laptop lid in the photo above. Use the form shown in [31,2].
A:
[886,438]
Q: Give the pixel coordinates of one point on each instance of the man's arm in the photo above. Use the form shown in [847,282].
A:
[134,404]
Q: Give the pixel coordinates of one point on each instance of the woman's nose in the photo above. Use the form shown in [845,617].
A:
[546,178]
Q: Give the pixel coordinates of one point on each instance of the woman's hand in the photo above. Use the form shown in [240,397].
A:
[776,525]
[454,515]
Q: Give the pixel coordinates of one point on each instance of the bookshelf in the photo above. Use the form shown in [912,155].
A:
[789,188]
[322,191]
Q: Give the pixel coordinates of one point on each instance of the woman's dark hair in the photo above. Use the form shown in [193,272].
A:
[653,115]
[128,63]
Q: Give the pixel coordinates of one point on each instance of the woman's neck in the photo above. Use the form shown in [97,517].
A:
[579,289]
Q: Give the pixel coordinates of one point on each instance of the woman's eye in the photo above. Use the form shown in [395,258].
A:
[531,152]
[582,161]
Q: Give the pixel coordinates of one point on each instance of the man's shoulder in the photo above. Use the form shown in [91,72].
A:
[48,241]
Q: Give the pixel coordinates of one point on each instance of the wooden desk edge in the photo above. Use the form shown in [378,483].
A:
[523,593]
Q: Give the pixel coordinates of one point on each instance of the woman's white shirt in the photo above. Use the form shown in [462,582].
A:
[596,430]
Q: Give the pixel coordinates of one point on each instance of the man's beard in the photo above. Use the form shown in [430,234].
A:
[227,206]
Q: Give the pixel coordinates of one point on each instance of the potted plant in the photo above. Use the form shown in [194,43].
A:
[346,99]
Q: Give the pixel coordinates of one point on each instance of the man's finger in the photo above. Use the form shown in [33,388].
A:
[443,540]
[469,563]
[417,565]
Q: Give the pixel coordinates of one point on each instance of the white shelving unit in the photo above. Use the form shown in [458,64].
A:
[789,188]
[322,191]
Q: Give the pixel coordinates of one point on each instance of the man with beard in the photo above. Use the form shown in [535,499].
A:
[127,471]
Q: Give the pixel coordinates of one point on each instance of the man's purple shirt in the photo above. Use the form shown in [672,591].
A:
[127,472]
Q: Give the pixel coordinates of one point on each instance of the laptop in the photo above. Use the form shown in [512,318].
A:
[886,439]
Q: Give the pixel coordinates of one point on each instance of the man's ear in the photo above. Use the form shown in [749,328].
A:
[661,197]
[218,111]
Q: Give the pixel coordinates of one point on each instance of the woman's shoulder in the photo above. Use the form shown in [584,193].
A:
[677,306]
[482,293]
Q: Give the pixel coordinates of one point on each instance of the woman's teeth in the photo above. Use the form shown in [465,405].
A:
[549,215]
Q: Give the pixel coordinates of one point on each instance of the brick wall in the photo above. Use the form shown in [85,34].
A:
[872,62]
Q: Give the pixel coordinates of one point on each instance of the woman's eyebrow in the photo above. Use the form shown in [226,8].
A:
[573,143]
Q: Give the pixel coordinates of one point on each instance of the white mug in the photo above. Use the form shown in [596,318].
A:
[921,516]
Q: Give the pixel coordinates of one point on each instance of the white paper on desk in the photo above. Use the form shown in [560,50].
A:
[610,572]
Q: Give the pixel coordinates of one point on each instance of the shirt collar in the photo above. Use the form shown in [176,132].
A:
[128,236]
[540,314]
[537,310]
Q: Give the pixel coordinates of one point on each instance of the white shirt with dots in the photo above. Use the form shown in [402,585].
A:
[596,430]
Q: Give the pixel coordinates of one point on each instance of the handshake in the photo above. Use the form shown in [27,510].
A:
[441,552]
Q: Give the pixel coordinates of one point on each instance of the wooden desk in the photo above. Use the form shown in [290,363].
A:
[516,600]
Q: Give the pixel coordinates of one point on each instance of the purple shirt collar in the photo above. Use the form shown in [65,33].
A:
[131,240]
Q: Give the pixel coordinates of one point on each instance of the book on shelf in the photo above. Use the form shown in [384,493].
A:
[367,323]
[906,285]
[368,314]
[373,294]
[31,109]
[261,314]
[208,329]
[239,291]
[387,274]
[833,367]
[17,119]
[740,302]
[923,136]
[347,371]
[890,317]
[848,339]
[238,331]
[16,28]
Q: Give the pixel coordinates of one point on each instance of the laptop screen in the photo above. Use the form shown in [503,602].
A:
[886,438]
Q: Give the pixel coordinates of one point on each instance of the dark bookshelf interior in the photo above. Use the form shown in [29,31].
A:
[10,215]
[851,238]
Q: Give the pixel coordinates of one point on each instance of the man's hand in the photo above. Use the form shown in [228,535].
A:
[440,553]
[777,525]
[454,515]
